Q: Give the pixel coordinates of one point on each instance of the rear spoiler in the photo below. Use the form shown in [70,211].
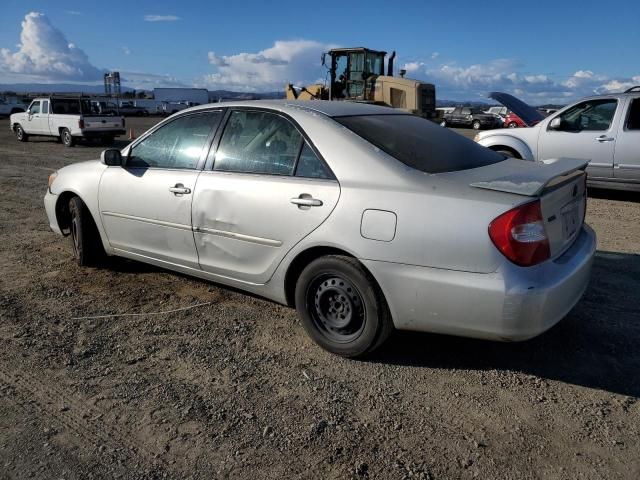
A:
[532,182]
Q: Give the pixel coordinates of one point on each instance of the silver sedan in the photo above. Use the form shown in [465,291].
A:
[364,219]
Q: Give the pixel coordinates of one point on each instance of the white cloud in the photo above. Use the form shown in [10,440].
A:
[161,18]
[412,66]
[126,50]
[44,52]
[434,55]
[149,81]
[293,61]
[475,81]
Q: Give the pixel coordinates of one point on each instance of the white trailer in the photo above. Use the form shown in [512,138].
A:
[198,96]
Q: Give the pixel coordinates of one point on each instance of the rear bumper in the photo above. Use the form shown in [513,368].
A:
[101,133]
[511,304]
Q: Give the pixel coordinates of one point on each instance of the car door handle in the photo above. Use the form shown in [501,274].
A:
[604,138]
[179,189]
[306,201]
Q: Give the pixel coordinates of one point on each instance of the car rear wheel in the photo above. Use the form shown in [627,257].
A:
[512,125]
[507,153]
[85,239]
[476,125]
[67,138]
[21,135]
[341,306]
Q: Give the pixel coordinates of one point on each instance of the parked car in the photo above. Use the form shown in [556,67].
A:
[603,129]
[104,107]
[7,108]
[67,119]
[128,109]
[362,218]
[511,120]
[469,117]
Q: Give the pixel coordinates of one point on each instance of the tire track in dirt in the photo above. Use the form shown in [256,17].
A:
[81,420]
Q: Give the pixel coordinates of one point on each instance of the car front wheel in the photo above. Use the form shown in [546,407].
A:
[21,135]
[85,239]
[341,306]
[512,125]
[476,125]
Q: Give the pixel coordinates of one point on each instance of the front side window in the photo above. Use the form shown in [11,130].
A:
[633,120]
[258,142]
[420,143]
[177,144]
[34,107]
[591,115]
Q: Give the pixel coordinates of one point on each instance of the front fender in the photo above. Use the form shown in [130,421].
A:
[502,140]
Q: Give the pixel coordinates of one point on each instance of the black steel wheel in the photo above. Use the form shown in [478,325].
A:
[21,135]
[341,306]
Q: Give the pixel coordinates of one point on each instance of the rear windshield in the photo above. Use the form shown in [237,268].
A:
[420,143]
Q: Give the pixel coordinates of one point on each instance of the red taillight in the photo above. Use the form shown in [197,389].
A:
[81,123]
[520,235]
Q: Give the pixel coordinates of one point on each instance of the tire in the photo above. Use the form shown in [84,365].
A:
[67,138]
[21,135]
[476,125]
[512,125]
[342,307]
[85,239]
[506,153]
[443,123]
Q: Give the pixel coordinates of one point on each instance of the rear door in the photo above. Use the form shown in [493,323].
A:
[587,130]
[267,190]
[627,154]
[145,206]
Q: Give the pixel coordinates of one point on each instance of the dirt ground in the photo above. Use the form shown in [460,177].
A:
[235,389]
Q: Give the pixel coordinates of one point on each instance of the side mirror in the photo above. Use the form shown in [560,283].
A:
[28,111]
[555,124]
[111,157]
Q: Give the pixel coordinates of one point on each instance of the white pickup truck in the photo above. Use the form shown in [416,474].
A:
[67,119]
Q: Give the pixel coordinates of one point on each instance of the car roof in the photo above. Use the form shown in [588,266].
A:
[326,107]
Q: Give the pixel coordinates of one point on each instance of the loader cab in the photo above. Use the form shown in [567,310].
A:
[353,72]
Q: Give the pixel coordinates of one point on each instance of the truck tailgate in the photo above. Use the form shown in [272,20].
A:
[102,123]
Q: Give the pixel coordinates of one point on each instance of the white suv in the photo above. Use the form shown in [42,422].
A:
[604,129]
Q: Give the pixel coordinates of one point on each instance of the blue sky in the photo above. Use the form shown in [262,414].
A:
[541,51]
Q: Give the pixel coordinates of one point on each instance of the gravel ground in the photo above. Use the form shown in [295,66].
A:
[235,389]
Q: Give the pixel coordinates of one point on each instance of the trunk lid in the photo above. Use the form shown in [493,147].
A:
[529,115]
[559,184]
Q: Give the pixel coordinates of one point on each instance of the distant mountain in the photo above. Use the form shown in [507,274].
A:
[214,95]
[54,88]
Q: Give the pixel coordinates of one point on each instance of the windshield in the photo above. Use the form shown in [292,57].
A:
[420,143]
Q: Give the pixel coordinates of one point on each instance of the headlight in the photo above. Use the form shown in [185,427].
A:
[52,177]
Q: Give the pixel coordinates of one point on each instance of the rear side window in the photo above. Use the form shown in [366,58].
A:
[633,121]
[258,142]
[420,143]
[309,165]
[177,144]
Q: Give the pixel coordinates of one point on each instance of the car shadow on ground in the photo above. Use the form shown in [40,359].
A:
[619,195]
[597,345]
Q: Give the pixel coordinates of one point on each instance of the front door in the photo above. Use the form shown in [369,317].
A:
[267,191]
[36,119]
[145,206]
[587,130]
[627,157]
